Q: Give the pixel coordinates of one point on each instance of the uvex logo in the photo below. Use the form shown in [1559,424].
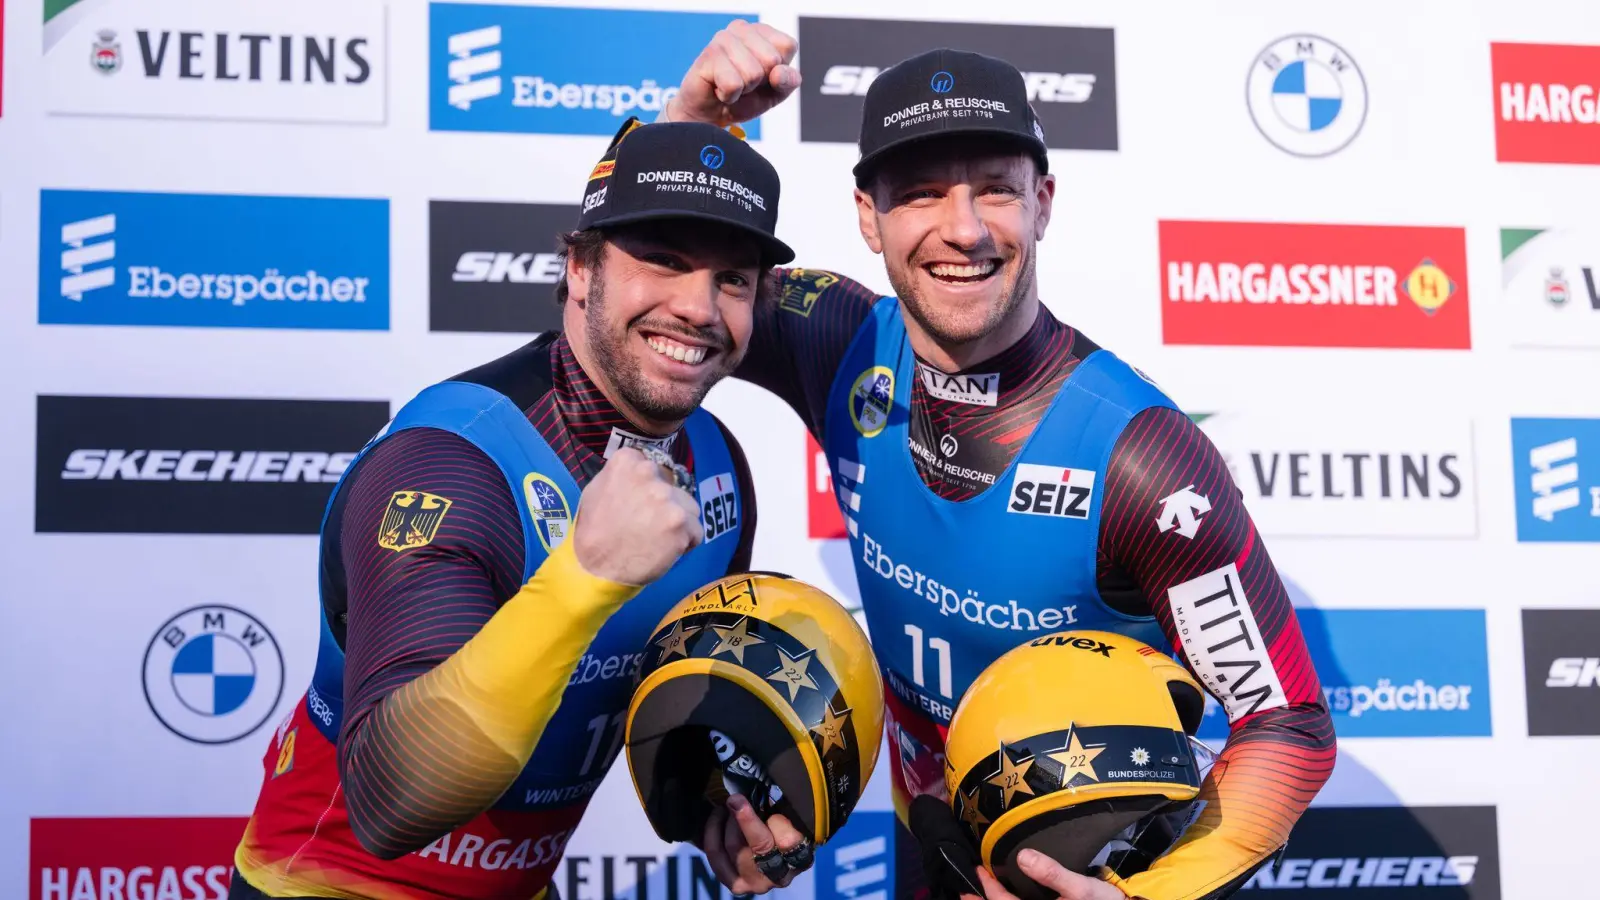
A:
[1079,643]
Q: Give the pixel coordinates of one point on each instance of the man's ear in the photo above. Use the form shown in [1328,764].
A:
[867,216]
[1044,196]
[577,279]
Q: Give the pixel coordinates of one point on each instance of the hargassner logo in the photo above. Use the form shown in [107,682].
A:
[506,68]
[474,66]
[88,245]
[213,260]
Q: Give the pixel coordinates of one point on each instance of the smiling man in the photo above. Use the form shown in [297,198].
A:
[1002,476]
[494,562]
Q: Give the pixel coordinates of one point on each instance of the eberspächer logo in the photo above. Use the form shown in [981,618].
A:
[518,68]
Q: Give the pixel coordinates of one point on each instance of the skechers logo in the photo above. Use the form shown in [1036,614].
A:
[1366,872]
[517,268]
[1573,671]
[1043,87]
[1052,491]
[312,466]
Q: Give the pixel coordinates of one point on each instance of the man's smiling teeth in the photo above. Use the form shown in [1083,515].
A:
[680,352]
[950,270]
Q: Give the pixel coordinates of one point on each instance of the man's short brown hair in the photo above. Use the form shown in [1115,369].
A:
[588,247]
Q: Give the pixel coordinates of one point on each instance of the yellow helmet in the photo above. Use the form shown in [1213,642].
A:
[778,669]
[1064,743]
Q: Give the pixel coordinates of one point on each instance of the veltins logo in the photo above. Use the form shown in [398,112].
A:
[493,267]
[1561,656]
[1287,285]
[823,519]
[286,61]
[213,260]
[105,858]
[1550,283]
[1389,853]
[1306,95]
[1557,465]
[1352,475]
[858,862]
[535,69]
[1070,73]
[1378,682]
[162,465]
[213,674]
[1546,103]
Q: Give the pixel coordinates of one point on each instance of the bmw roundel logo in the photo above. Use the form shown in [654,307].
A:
[1306,95]
[942,82]
[711,156]
[213,674]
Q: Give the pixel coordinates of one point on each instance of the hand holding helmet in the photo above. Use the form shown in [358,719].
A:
[755,726]
[1069,757]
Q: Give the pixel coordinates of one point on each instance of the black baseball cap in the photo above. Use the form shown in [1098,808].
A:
[685,170]
[944,92]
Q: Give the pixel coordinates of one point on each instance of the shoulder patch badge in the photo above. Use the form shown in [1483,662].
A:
[801,288]
[552,518]
[871,398]
[411,520]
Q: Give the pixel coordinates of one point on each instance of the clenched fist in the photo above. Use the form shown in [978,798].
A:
[633,522]
[741,74]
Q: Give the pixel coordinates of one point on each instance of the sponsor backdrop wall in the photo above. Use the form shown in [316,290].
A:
[1358,241]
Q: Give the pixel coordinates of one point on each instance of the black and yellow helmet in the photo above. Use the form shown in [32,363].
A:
[774,667]
[1064,743]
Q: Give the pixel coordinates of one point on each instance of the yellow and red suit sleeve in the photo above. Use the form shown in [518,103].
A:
[448,688]
[1276,759]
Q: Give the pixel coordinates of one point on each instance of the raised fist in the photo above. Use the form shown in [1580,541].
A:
[741,74]
[633,521]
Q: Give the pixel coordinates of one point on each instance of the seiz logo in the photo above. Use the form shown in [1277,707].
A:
[472,72]
[1078,643]
[591,200]
[719,508]
[492,267]
[80,255]
[1051,491]
[1043,87]
[1573,671]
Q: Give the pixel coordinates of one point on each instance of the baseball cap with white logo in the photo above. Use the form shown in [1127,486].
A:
[947,92]
[685,170]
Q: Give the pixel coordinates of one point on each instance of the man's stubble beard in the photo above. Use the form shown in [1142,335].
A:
[621,369]
[940,328]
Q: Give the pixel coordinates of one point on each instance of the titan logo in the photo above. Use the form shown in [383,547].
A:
[469,63]
[81,255]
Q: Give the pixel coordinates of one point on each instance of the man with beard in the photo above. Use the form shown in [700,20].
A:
[1003,477]
[482,625]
